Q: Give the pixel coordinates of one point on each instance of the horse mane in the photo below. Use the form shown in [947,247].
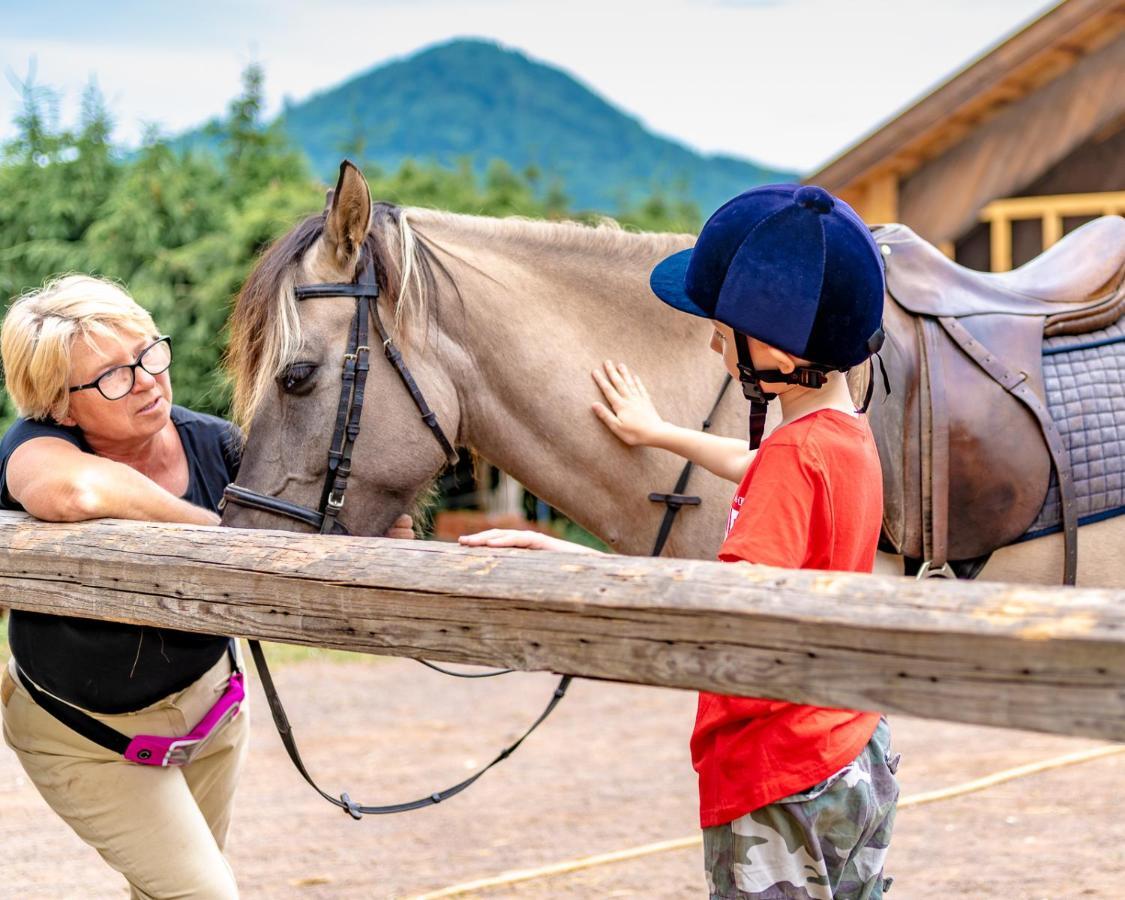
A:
[265,328]
[606,236]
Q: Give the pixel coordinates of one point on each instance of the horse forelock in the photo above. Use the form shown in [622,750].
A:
[265,326]
[265,329]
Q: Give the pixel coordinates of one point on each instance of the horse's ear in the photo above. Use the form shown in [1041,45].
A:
[349,216]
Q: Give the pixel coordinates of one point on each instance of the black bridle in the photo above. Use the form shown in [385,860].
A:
[365,291]
[326,518]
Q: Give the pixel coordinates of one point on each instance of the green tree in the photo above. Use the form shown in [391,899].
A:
[255,153]
[181,227]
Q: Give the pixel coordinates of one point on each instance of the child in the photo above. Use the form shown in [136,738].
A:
[795,801]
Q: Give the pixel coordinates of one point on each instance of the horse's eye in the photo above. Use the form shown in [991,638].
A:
[296,376]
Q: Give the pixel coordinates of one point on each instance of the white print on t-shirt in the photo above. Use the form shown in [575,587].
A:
[735,509]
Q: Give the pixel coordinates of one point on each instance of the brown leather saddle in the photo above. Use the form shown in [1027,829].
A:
[966,439]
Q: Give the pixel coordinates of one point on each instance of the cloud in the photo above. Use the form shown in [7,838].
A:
[786,82]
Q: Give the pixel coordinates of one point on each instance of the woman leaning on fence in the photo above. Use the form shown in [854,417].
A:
[91,708]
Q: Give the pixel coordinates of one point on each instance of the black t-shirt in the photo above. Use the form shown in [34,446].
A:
[110,667]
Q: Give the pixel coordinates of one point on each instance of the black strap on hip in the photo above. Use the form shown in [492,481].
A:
[76,720]
[344,802]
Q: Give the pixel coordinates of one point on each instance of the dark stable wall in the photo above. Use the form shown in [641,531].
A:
[1096,166]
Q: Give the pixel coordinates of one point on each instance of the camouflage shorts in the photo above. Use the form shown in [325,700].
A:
[827,842]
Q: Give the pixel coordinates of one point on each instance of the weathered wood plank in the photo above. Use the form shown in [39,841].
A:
[1006,655]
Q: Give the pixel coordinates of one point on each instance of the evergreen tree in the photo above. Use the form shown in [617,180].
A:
[181,228]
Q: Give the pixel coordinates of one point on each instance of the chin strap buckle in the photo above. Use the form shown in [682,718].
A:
[809,377]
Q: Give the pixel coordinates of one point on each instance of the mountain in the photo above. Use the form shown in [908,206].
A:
[476,99]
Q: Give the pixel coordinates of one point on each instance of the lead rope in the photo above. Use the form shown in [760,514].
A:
[344,802]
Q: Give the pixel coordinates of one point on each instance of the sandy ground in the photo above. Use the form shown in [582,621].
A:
[609,771]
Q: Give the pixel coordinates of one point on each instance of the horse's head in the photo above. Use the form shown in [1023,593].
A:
[288,354]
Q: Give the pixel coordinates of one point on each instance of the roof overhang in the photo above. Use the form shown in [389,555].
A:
[1006,73]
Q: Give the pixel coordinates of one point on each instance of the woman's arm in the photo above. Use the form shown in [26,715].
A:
[55,481]
[632,417]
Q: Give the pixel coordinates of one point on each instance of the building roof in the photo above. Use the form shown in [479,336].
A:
[1018,66]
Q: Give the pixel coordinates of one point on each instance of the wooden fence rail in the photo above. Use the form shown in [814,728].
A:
[1047,659]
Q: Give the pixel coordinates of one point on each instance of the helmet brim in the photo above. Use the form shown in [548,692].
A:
[668,283]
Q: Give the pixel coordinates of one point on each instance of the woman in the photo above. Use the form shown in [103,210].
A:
[99,437]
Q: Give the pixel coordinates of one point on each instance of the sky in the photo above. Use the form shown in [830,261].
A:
[788,83]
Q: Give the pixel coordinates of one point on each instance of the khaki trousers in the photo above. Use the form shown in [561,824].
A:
[164,829]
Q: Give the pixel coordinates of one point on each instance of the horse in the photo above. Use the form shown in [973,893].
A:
[500,323]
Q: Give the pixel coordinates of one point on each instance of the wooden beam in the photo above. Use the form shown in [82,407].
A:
[1000,249]
[1105,203]
[880,200]
[1012,656]
[943,199]
[1052,229]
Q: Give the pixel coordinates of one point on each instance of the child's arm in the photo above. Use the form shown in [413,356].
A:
[526,540]
[633,418]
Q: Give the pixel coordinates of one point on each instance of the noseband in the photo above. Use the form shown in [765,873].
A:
[365,292]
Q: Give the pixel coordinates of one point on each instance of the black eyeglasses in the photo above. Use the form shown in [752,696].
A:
[115,383]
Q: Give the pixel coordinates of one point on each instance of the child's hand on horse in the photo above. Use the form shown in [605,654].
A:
[631,414]
[526,540]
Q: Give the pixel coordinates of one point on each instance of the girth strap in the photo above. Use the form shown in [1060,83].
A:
[1016,384]
[677,500]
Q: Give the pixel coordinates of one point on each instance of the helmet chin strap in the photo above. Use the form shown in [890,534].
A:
[811,376]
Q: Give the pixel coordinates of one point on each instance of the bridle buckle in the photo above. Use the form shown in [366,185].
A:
[335,501]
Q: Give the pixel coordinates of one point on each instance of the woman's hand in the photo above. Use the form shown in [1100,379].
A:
[631,414]
[402,529]
[527,540]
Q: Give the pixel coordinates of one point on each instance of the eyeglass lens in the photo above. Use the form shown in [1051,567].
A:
[116,383]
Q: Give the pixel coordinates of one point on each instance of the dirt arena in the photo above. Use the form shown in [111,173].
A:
[609,771]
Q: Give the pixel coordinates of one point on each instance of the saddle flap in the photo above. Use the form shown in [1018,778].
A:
[998,466]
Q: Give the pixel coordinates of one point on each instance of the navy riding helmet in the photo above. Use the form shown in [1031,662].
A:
[792,266]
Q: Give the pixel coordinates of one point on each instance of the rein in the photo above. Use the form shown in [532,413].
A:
[353,381]
[365,291]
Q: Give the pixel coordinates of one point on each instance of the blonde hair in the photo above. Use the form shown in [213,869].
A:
[41,327]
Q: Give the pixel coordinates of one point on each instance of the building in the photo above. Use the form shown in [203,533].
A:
[1021,146]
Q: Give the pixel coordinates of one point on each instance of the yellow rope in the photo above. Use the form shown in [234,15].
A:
[601,859]
[979,784]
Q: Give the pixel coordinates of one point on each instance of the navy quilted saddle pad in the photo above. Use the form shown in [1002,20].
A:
[1084,376]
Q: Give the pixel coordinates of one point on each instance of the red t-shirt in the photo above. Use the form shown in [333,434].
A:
[811,499]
